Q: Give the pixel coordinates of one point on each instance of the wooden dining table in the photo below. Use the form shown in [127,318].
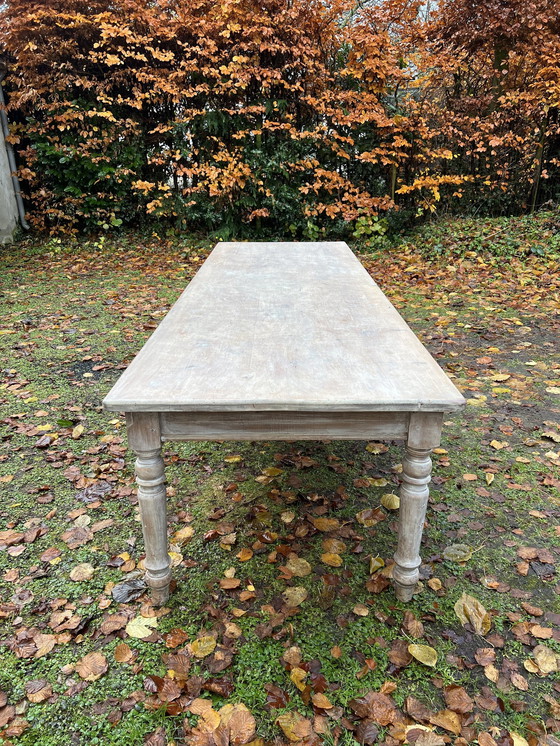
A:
[283,341]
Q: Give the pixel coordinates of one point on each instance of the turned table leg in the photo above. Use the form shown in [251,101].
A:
[144,439]
[423,435]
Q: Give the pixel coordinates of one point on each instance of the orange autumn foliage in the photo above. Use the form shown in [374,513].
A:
[282,117]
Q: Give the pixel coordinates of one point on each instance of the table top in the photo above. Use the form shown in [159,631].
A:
[283,326]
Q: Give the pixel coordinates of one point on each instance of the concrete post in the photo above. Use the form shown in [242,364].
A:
[8,206]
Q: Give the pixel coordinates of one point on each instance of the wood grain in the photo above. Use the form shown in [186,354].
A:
[283,326]
[283,425]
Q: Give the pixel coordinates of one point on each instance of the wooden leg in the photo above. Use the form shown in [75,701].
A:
[423,435]
[144,439]
[417,466]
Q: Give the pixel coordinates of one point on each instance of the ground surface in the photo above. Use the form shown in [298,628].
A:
[281,621]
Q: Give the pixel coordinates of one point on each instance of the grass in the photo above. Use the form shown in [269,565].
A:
[73,317]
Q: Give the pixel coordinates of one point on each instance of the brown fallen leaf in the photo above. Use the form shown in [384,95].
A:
[457,699]
[92,666]
[375,706]
[239,722]
[38,690]
[298,566]
[448,720]
[123,653]
[320,700]
[294,595]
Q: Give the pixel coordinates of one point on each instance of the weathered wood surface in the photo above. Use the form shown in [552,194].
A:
[283,326]
[278,425]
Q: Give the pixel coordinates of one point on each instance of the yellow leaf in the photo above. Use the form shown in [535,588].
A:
[331,559]
[81,572]
[390,501]
[183,535]
[498,445]
[233,459]
[141,627]
[375,564]
[457,553]
[298,676]
[77,431]
[203,646]
[424,653]
[376,448]
[469,609]
[244,555]
[361,610]
[325,524]
[294,726]
[378,481]
[298,566]
[272,471]
[294,595]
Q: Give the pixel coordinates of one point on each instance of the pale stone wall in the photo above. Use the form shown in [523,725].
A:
[8,206]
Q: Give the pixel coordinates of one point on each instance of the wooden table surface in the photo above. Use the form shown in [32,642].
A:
[283,326]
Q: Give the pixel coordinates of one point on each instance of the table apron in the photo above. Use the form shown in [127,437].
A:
[281,425]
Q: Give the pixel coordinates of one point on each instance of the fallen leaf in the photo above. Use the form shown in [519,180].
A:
[298,676]
[319,700]
[38,690]
[298,566]
[123,653]
[448,720]
[203,646]
[457,553]
[92,666]
[331,559]
[360,610]
[141,627]
[183,535]
[294,595]
[470,610]
[82,572]
[239,722]
[390,501]
[294,726]
[244,555]
[423,653]
[376,448]
[325,524]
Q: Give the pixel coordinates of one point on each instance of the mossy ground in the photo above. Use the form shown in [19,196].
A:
[73,317]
